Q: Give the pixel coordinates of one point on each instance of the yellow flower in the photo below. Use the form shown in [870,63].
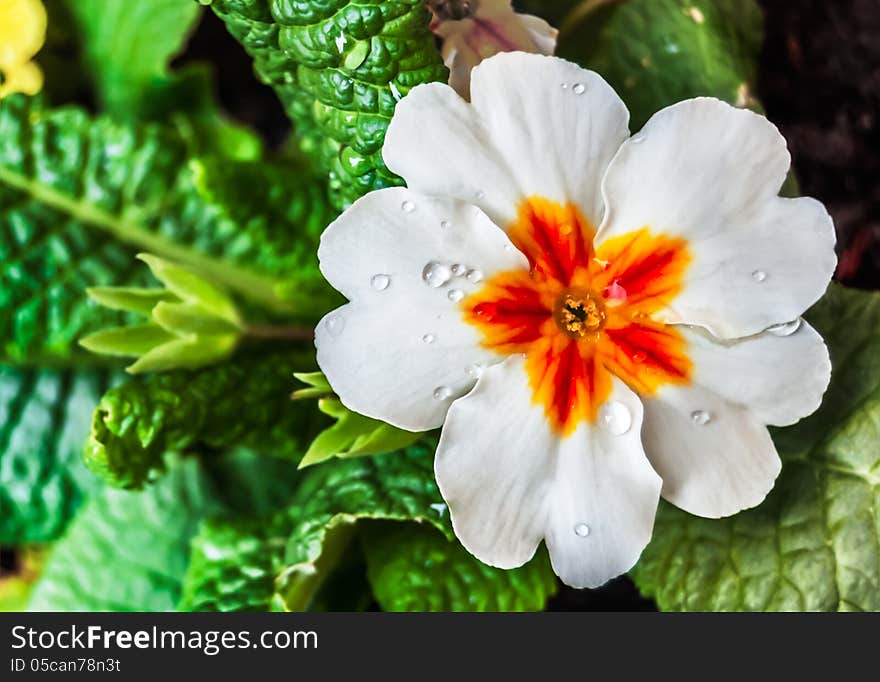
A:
[22,34]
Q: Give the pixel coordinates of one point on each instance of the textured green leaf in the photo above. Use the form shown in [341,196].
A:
[79,197]
[283,561]
[127,46]
[44,418]
[814,543]
[658,52]
[244,403]
[128,551]
[413,568]
[339,67]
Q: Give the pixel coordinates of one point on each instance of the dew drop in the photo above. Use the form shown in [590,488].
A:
[475,371]
[582,530]
[480,195]
[429,338]
[455,295]
[436,274]
[408,206]
[335,325]
[759,276]
[475,276]
[458,270]
[442,393]
[445,224]
[615,417]
[615,294]
[700,417]
[785,329]
[564,86]
[566,230]
[380,282]
[639,357]
[579,89]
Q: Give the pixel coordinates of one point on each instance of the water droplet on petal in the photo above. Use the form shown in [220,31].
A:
[380,282]
[759,276]
[785,329]
[480,195]
[639,357]
[408,206]
[475,276]
[579,89]
[700,417]
[564,86]
[442,393]
[335,324]
[429,338]
[475,371]
[445,224]
[615,417]
[458,270]
[566,230]
[582,530]
[455,295]
[615,294]
[436,274]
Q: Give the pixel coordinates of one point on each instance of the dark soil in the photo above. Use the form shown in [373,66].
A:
[820,83]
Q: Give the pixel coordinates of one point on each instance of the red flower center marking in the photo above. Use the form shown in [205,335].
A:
[580,317]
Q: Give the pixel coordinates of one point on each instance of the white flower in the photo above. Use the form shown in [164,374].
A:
[473,30]
[595,320]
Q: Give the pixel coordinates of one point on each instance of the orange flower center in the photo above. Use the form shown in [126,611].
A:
[581,316]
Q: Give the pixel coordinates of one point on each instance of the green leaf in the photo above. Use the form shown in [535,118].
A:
[244,403]
[79,197]
[814,543]
[127,46]
[188,352]
[44,417]
[282,562]
[191,288]
[339,67]
[128,551]
[354,435]
[658,52]
[413,568]
[130,299]
[131,341]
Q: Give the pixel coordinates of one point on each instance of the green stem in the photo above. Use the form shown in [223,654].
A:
[580,12]
[258,288]
[269,332]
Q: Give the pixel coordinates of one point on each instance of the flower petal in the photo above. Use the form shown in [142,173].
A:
[538,126]
[592,496]
[401,351]
[708,441]
[710,173]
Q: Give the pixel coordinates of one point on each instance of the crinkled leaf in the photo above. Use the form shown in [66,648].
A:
[79,197]
[814,543]
[44,417]
[127,46]
[658,52]
[243,403]
[128,551]
[339,67]
[413,568]
[283,561]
